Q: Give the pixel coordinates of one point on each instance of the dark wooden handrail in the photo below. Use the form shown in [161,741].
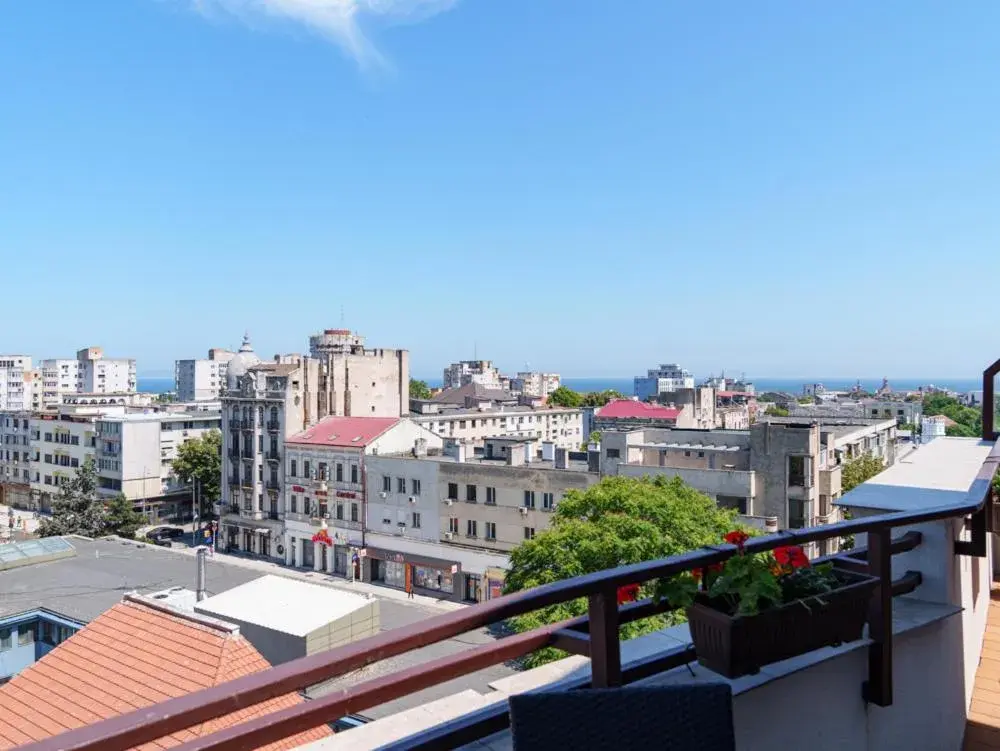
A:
[148,724]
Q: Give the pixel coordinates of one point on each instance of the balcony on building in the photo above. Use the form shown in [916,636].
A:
[923,676]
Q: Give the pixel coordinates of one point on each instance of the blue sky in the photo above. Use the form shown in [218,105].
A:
[780,188]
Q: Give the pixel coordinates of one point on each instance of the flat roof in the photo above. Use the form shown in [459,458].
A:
[692,446]
[83,586]
[938,473]
[282,604]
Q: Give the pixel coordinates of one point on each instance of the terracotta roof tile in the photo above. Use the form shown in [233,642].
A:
[344,431]
[130,657]
[624,409]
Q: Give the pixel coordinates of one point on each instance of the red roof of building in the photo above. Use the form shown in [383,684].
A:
[629,409]
[729,394]
[131,657]
[344,431]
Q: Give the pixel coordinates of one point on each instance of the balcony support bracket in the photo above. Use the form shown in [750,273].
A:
[878,688]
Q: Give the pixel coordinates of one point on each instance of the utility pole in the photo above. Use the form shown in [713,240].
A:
[194,510]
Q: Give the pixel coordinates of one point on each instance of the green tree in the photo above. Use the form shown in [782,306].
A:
[969,419]
[419,389]
[858,470]
[565,397]
[775,411]
[199,461]
[121,518]
[600,398]
[616,522]
[77,509]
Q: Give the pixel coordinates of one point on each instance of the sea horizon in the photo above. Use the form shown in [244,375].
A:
[159,385]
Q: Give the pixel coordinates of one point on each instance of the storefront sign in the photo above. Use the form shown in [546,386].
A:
[454,569]
[363,553]
[346,494]
[298,489]
[321,493]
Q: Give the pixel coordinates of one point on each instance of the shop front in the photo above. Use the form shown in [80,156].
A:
[422,573]
[494,583]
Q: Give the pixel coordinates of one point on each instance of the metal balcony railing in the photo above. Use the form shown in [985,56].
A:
[273,425]
[595,635]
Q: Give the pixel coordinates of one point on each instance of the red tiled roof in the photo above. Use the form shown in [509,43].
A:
[727,394]
[344,431]
[629,409]
[131,657]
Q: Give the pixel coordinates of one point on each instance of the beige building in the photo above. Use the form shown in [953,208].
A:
[535,384]
[202,380]
[356,381]
[466,372]
[15,454]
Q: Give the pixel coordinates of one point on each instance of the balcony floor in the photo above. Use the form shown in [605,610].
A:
[982,731]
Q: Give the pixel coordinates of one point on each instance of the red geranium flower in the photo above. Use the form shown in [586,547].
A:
[628,593]
[791,555]
[737,537]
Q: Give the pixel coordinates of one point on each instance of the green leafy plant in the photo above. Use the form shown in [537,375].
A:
[749,583]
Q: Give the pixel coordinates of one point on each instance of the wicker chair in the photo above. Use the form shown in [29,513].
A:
[696,717]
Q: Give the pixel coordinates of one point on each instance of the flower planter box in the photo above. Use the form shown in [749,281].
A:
[740,645]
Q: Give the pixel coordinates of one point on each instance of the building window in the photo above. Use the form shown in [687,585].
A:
[529,533]
[5,641]
[461,424]
[295,503]
[416,520]
[386,484]
[548,501]
[400,484]
[260,443]
[354,512]
[613,454]
[294,471]
[491,496]
[490,530]
[354,474]
[453,491]
[471,528]
[470,493]
[321,471]
[305,470]
[340,511]
[340,472]
[453,525]
[415,486]
[529,498]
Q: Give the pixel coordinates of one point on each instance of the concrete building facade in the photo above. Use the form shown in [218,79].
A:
[202,379]
[561,425]
[15,382]
[535,384]
[358,381]
[666,377]
[59,377]
[102,375]
[135,453]
[15,455]
[465,372]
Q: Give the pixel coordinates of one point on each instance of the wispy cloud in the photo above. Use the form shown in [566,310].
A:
[341,21]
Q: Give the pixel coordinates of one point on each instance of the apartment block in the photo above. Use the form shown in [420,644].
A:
[666,377]
[356,381]
[535,384]
[59,377]
[15,456]
[101,375]
[135,452]
[562,426]
[466,372]
[202,379]
[15,382]
[61,443]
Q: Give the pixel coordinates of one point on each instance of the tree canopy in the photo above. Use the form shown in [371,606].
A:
[618,521]
[78,509]
[775,411]
[969,420]
[419,389]
[567,397]
[858,470]
[200,459]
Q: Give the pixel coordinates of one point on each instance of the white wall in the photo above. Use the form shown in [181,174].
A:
[396,506]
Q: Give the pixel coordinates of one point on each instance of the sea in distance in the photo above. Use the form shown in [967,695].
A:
[624,385]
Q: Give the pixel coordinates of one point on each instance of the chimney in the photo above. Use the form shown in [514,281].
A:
[548,451]
[200,580]
[561,458]
[420,447]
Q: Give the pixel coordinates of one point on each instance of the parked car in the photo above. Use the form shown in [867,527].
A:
[164,535]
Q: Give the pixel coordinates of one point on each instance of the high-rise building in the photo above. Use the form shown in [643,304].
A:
[202,380]
[356,381]
[105,375]
[481,372]
[667,377]
[15,371]
[535,384]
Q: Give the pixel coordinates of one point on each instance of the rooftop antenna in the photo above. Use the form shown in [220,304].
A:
[341,316]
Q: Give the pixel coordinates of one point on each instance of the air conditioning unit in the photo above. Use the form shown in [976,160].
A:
[449,502]
[448,535]
[413,499]
[387,521]
[383,495]
[523,510]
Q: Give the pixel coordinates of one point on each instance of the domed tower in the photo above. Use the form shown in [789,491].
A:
[241,362]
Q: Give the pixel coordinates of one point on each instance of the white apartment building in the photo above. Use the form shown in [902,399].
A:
[135,452]
[15,382]
[61,442]
[561,425]
[463,373]
[325,488]
[667,377]
[59,377]
[202,379]
[15,454]
[535,384]
[100,374]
